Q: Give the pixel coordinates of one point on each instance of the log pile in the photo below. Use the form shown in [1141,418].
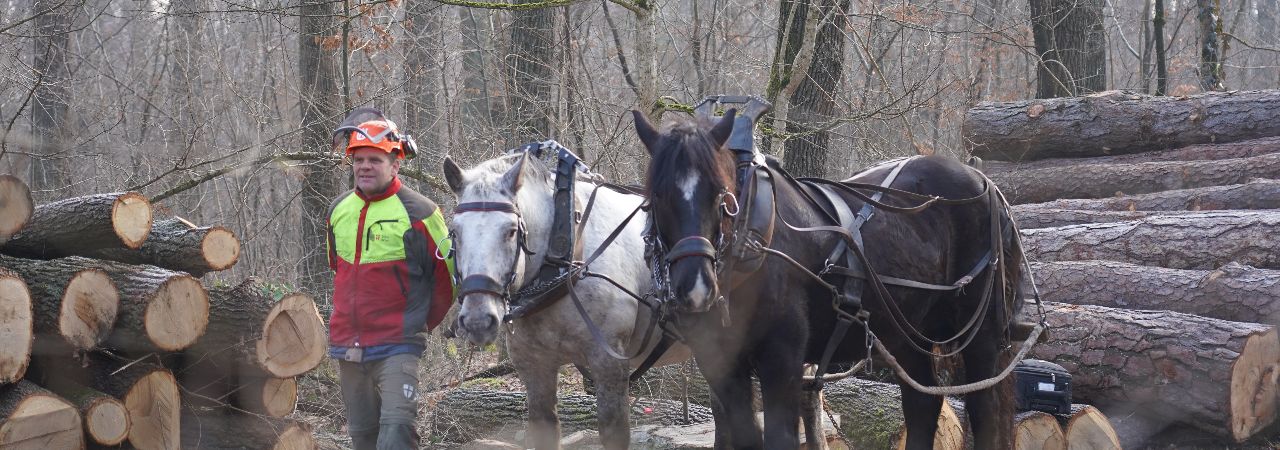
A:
[1154,251]
[111,339]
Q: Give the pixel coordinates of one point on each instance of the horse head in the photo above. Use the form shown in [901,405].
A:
[497,240]
[693,197]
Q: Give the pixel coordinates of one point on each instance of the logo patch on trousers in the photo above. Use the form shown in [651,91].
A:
[408,391]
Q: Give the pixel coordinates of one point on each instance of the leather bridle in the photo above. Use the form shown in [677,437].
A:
[484,284]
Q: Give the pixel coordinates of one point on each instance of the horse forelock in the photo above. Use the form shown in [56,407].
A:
[685,151]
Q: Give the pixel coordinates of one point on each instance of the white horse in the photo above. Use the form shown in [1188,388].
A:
[486,246]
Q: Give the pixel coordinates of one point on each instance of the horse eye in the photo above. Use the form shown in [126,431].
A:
[511,233]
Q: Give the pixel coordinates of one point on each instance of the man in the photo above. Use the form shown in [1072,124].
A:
[392,281]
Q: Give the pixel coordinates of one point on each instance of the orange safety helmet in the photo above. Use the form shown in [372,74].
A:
[367,127]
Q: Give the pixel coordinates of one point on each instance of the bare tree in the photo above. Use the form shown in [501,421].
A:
[52,92]
[1210,54]
[807,75]
[320,106]
[1070,40]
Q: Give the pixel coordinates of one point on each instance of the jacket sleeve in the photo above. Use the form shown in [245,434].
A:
[438,266]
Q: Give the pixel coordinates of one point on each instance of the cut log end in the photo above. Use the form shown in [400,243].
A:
[131,217]
[15,206]
[296,437]
[294,338]
[179,314]
[221,248]
[15,327]
[950,435]
[1089,429]
[42,422]
[275,397]
[89,307]
[1034,430]
[107,422]
[154,411]
[1253,385]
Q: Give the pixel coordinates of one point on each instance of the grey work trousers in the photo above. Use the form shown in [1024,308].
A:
[381,398]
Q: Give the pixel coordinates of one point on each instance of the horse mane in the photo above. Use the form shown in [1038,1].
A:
[486,177]
[683,147]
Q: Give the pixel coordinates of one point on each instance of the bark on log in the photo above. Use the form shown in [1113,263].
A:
[218,432]
[1233,292]
[872,416]
[150,395]
[1028,218]
[74,307]
[15,206]
[464,415]
[1035,430]
[15,327]
[1256,194]
[1198,152]
[1117,122]
[1110,180]
[32,418]
[251,334]
[83,224]
[1087,428]
[1215,375]
[106,420]
[1202,241]
[177,244]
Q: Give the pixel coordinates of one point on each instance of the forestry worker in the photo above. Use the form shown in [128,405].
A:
[392,282]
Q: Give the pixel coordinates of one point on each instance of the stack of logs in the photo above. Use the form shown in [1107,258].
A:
[1151,227]
[111,339]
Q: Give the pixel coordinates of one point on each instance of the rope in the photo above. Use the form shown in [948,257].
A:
[964,388]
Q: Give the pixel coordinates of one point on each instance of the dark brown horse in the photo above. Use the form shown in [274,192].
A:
[961,256]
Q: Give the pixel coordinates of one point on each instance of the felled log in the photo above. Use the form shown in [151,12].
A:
[1087,428]
[1198,152]
[177,244]
[1117,122]
[106,420]
[275,397]
[15,327]
[467,414]
[1215,375]
[1035,430]
[32,418]
[83,224]
[1135,428]
[1200,241]
[872,413]
[217,432]
[1028,218]
[250,333]
[149,393]
[15,206]
[1255,194]
[74,306]
[1110,180]
[1233,292]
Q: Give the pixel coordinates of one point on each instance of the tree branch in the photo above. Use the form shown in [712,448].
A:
[622,56]
[510,6]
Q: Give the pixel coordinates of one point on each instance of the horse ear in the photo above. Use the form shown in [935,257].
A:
[648,134]
[512,179]
[720,133]
[453,175]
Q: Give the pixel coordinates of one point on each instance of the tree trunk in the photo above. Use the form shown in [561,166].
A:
[149,393]
[424,115]
[813,104]
[530,62]
[1255,194]
[226,432]
[1087,428]
[250,333]
[1117,122]
[321,105]
[1162,66]
[872,415]
[1216,375]
[1029,218]
[52,92]
[476,94]
[106,420]
[16,330]
[1071,42]
[1034,430]
[15,206]
[82,224]
[32,418]
[1195,152]
[1233,292]
[1203,241]
[74,307]
[177,244]
[1210,58]
[482,413]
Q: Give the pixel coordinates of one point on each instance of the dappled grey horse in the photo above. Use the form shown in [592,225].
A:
[505,238]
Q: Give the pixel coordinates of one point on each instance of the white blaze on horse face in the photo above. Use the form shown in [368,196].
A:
[700,294]
[689,185]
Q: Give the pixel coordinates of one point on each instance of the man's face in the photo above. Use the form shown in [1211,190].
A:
[374,169]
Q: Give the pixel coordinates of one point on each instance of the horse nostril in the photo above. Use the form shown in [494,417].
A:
[492,322]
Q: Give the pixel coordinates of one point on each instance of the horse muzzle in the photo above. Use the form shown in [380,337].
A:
[481,297]
[693,274]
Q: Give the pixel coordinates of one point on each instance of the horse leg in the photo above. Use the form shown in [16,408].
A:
[780,375]
[920,410]
[990,410]
[540,380]
[730,383]
[611,382]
